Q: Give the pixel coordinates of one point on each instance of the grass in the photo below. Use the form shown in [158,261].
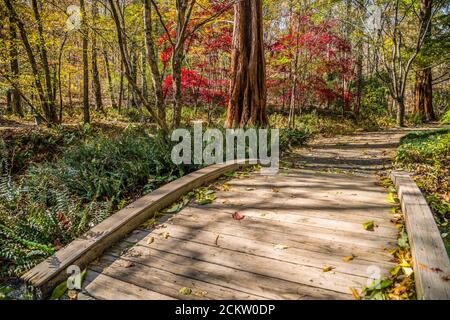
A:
[427,155]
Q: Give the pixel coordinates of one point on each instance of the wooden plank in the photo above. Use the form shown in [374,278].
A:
[165,282]
[81,251]
[82,296]
[317,209]
[103,287]
[309,245]
[283,215]
[225,276]
[201,217]
[272,268]
[265,247]
[431,262]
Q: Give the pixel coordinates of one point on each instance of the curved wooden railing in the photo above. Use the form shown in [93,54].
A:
[48,274]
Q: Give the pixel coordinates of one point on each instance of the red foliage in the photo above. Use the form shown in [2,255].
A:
[323,53]
[196,89]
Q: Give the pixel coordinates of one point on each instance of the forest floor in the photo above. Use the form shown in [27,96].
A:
[320,229]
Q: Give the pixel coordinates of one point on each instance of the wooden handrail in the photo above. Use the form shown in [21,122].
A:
[431,262]
[83,250]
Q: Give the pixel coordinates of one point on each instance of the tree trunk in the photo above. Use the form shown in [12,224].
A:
[129,70]
[15,103]
[95,72]
[121,87]
[424,80]
[84,31]
[177,61]
[110,82]
[400,103]
[45,100]
[248,92]
[359,63]
[50,109]
[152,60]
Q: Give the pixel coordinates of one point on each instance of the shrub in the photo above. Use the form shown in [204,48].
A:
[290,138]
[446,118]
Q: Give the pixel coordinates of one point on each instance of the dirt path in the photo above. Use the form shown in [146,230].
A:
[365,153]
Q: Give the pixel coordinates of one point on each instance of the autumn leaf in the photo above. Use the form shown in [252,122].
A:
[348,258]
[250,189]
[150,240]
[280,247]
[355,293]
[369,226]
[391,198]
[328,268]
[165,235]
[72,294]
[185,291]
[238,216]
[200,293]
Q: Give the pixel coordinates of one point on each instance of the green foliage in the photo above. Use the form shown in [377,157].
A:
[290,138]
[373,98]
[331,124]
[446,118]
[54,203]
[428,147]
[427,154]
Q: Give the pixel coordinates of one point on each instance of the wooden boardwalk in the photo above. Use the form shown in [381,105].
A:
[298,225]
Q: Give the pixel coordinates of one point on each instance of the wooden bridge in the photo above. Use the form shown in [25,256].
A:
[295,235]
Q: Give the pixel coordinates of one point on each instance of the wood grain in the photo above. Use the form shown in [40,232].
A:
[431,262]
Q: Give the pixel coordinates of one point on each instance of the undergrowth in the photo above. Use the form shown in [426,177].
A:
[52,203]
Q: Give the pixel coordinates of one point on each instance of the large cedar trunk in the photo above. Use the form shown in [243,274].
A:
[424,95]
[248,92]
[424,79]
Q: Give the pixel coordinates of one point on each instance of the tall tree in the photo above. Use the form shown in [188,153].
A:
[424,78]
[248,91]
[152,60]
[128,69]
[96,84]
[15,102]
[184,12]
[85,36]
[45,92]
[398,57]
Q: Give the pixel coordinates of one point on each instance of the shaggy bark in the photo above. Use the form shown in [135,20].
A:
[248,92]
[424,79]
